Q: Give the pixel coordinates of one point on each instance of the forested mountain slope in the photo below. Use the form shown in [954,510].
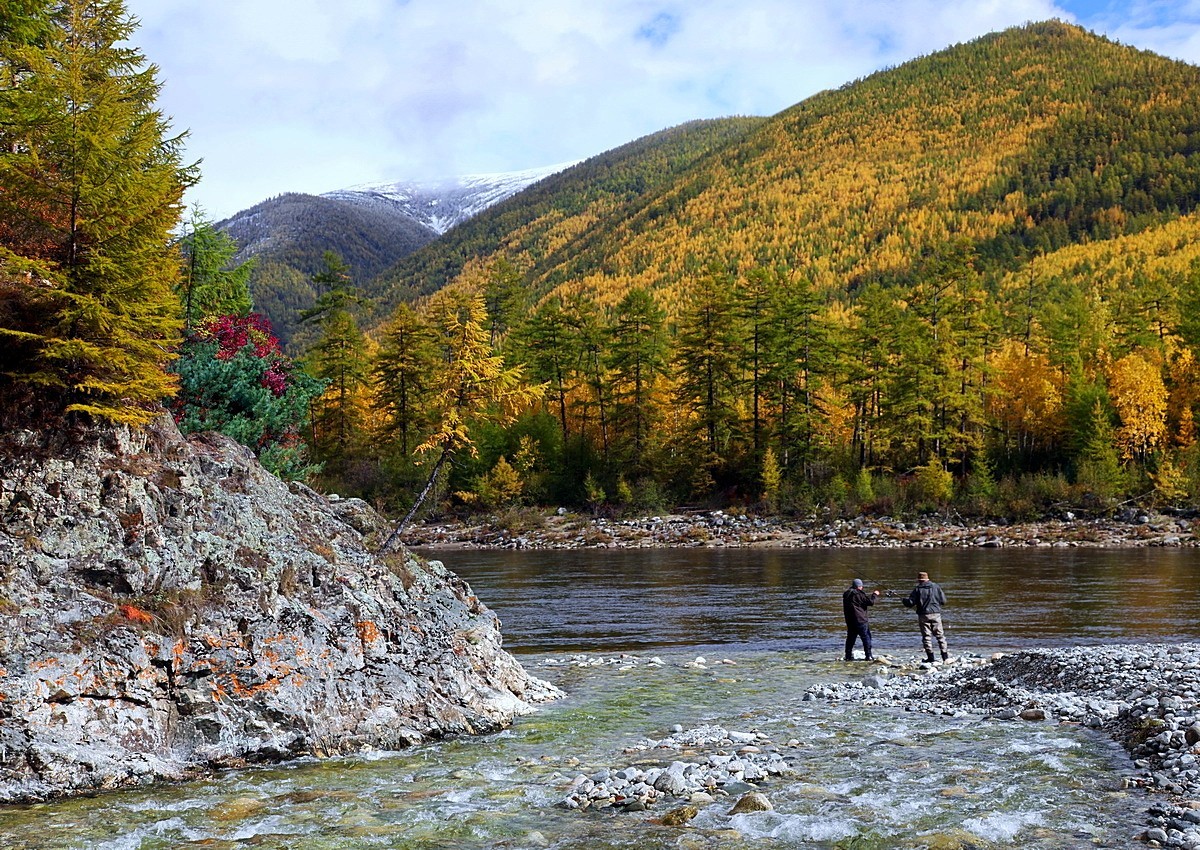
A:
[972,280]
[287,236]
[1021,143]
[369,227]
[543,224]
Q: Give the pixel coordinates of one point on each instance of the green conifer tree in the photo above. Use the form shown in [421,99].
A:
[210,285]
[338,358]
[548,344]
[403,371]
[795,359]
[637,361]
[706,362]
[91,183]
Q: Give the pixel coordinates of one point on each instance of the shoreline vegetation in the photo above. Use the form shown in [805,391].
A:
[532,529]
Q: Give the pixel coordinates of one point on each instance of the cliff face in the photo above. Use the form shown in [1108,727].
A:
[169,606]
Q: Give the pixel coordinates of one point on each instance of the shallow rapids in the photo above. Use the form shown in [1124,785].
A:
[859,777]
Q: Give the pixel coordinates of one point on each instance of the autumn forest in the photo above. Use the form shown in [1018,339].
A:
[970,283]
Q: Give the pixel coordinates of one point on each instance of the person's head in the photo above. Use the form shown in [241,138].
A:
[922,576]
[857,583]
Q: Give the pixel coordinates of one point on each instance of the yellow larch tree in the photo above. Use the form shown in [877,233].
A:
[1139,395]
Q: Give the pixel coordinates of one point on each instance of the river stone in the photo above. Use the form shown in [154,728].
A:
[1033,714]
[171,607]
[680,816]
[752,802]
[239,808]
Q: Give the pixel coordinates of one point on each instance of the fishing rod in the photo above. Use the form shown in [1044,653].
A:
[888,592]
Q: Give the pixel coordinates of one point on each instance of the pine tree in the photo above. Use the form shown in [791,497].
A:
[505,296]
[795,358]
[637,361]
[402,372]
[90,189]
[210,286]
[338,358]
[548,344]
[706,358]
[1100,470]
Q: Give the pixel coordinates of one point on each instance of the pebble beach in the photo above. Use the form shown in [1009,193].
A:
[717,528]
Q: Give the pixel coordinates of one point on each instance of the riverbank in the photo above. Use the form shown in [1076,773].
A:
[562,530]
[1145,696]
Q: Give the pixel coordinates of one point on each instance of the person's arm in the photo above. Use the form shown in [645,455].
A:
[941,597]
[910,600]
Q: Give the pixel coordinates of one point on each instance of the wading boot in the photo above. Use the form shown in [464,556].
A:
[929,658]
[945,656]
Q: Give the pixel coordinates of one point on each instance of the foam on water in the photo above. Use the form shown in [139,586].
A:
[273,825]
[793,827]
[1003,826]
[856,774]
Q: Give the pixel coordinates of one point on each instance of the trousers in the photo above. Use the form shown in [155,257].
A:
[855,631]
[931,630]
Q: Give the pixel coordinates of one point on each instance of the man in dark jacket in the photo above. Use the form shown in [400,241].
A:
[927,598]
[855,602]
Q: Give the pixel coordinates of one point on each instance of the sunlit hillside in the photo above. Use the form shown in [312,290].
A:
[1022,142]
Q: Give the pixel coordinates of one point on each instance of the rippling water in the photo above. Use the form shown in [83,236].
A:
[864,777]
[791,599]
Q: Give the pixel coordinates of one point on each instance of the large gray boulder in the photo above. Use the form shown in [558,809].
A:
[167,606]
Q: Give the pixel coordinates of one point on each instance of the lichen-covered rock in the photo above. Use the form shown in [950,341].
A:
[168,606]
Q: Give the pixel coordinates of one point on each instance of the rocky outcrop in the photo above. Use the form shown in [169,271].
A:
[169,606]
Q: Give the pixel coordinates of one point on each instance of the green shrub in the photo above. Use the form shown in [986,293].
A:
[933,485]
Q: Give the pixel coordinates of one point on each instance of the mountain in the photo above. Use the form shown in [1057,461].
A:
[973,279]
[550,217]
[369,226]
[442,204]
[1018,144]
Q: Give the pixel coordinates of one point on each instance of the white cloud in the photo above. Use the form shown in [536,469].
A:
[304,95]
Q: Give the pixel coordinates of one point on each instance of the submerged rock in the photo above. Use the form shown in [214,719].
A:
[680,816]
[171,606]
[752,802]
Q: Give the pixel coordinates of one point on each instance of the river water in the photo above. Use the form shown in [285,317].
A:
[594,622]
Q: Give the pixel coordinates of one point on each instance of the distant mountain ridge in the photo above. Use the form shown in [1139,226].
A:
[370,226]
[443,203]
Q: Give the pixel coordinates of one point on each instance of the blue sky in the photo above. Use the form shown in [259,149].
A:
[310,96]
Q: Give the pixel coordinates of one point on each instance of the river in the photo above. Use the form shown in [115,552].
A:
[621,632]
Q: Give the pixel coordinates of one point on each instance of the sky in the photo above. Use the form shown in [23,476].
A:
[311,96]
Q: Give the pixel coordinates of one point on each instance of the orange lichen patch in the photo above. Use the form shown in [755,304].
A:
[245,692]
[135,615]
[44,663]
[368,632]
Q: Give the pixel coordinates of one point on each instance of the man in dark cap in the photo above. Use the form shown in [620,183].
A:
[927,598]
[855,602]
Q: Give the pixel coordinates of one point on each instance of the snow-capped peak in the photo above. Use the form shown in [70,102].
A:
[442,203]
